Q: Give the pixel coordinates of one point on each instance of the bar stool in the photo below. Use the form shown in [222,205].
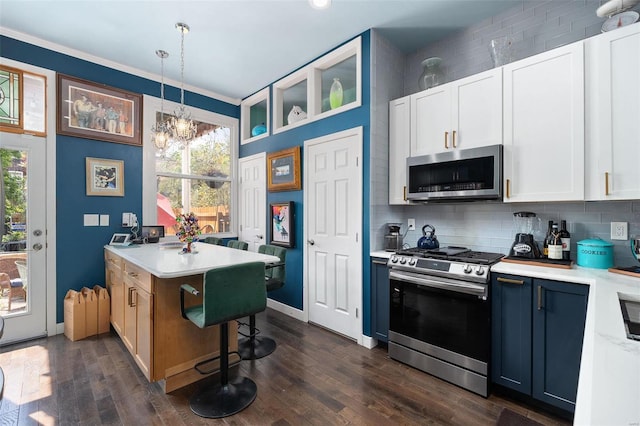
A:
[253,346]
[228,293]
[237,244]
[214,240]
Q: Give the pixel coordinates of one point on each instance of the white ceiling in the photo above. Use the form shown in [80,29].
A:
[236,47]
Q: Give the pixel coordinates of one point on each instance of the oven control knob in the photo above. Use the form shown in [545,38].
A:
[394,259]
[403,260]
[479,270]
[466,269]
[412,262]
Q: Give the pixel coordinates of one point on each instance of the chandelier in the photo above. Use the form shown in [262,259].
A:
[160,136]
[182,128]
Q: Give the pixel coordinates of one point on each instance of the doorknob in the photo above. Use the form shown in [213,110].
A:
[37,232]
[259,237]
[311,242]
[37,247]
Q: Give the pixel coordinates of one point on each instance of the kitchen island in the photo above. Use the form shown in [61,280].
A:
[143,283]
[609,379]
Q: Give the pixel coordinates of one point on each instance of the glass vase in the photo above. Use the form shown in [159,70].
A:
[431,75]
[335,94]
[500,49]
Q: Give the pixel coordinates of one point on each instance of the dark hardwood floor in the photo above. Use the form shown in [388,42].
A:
[313,378]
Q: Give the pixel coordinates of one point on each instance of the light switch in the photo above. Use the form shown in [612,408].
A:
[91,220]
[104,220]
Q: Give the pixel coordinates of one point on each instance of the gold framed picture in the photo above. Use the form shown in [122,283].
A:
[283,169]
[105,178]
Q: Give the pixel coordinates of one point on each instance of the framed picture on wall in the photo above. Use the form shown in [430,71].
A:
[105,177]
[282,224]
[283,169]
[96,111]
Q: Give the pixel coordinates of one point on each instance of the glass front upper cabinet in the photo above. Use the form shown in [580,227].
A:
[254,113]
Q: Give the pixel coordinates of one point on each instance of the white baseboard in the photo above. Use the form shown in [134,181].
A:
[59,329]
[369,342]
[286,309]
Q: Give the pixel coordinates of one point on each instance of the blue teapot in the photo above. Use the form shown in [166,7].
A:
[428,240]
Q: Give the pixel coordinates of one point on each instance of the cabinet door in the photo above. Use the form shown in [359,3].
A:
[544,126]
[511,332]
[399,148]
[143,302]
[559,314]
[430,120]
[613,111]
[115,286]
[476,110]
[129,329]
[380,302]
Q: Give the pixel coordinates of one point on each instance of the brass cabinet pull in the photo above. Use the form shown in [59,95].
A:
[129,297]
[133,274]
[134,301]
[539,297]
[404,192]
[446,140]
[508,188]
[606,183]
[453,139]
[510,281]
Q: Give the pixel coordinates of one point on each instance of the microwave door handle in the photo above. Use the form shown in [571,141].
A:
[456,286]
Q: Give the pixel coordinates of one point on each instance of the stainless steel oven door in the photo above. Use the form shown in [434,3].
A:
[448,314]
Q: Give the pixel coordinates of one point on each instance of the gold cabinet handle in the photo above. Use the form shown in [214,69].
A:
[130,297]
[606,183]
[510,281]
[508,188]
[404,192]
[133,274]
[446,140]
[453,139]
[539,297]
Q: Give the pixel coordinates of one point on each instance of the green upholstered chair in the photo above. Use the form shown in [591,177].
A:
[253,346]
[214,240]
[229,293]
[236,244]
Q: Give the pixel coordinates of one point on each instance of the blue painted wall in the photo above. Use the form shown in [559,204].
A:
[79,248]
[291,293]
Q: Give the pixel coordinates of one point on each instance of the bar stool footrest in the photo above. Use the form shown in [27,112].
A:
[215,370]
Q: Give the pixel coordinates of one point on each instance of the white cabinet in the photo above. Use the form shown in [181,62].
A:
[544,126]
[399,144]
[466,113]
[613,115]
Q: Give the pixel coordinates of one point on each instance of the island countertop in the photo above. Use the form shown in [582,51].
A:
[609,380]
[167,260]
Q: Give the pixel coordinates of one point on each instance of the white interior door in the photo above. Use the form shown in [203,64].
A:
[253,213]
[27,317]
[333,227]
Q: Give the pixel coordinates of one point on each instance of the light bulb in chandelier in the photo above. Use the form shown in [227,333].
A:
[160,132]
[183,129]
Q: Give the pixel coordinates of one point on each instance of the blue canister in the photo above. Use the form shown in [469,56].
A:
[595,253]
[258,130]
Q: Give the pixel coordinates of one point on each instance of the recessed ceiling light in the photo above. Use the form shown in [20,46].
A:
[320,4]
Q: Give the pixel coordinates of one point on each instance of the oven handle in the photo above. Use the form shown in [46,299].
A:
[442,283]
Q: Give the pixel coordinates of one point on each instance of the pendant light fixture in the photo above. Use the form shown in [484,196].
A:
[182,128]
[160,136]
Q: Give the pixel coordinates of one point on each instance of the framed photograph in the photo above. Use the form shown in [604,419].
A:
[282,224]
[105,177]
[96,111]
[283,168]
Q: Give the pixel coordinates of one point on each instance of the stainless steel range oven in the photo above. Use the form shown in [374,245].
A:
[440,313]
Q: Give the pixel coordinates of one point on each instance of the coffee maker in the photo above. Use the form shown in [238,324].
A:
[393,240]
[524,245]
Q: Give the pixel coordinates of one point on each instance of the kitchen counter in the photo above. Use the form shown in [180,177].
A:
[381,254]
[165,260]
[609,381]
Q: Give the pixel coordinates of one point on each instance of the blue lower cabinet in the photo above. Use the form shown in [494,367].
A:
[380,299]
[537,332]
[558,328]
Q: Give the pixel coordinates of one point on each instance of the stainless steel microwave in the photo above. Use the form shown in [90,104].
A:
[460,175]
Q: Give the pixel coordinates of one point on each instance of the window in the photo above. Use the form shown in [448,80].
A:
[22,101]
[198,178]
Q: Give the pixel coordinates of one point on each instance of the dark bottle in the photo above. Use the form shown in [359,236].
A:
[565,236]
[554,244]
[545,245]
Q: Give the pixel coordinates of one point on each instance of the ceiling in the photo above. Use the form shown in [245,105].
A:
[235,47]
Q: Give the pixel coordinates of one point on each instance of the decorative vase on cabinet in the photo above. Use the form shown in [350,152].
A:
[335,94]
[431,74]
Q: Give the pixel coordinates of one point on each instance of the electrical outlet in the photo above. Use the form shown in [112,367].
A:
[619,231]
[411,223]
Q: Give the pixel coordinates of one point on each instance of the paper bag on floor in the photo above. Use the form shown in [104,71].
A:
[104,308]
[74,316]
[91,309]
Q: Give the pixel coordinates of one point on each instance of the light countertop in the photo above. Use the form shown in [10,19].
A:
[168,261]
[609,381]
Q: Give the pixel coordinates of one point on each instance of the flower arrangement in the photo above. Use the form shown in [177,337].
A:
[188,229]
